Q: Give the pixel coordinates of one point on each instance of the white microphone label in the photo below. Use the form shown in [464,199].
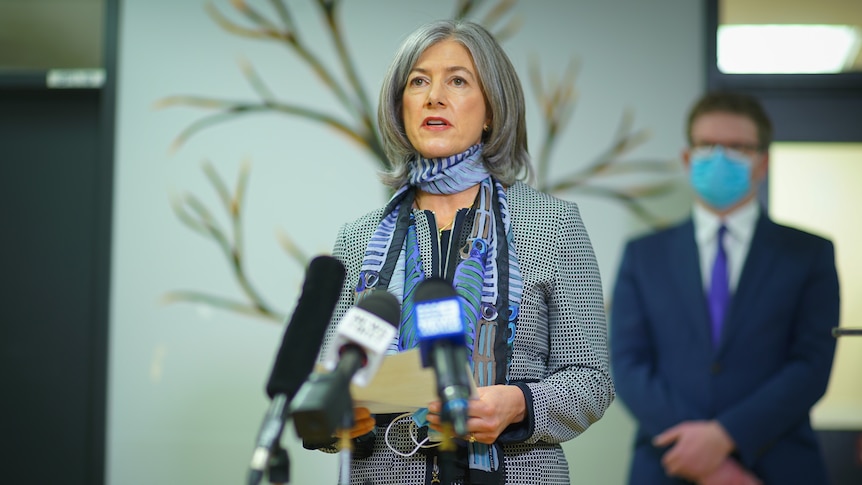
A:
[368,331]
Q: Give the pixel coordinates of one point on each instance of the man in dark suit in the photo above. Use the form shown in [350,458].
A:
[720,326]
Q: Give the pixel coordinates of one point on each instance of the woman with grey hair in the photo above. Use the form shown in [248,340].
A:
[452,122]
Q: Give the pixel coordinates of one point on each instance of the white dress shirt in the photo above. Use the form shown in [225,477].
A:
[737,239]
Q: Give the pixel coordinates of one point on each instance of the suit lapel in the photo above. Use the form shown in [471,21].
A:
[755,270]
[685,271]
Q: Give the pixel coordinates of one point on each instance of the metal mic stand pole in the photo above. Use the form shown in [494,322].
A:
[278,467]
[346,445]
[447,455]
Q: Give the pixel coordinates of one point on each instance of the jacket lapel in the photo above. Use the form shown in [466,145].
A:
[685,271]
[755,272]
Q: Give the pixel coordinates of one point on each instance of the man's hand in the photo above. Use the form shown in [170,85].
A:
[730,472]
[699,447]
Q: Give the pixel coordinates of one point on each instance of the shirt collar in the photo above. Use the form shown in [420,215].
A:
[739,223]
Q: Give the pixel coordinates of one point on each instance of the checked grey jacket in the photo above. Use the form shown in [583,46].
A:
[560,354]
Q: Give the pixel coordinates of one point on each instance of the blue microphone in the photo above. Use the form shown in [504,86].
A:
[443,346]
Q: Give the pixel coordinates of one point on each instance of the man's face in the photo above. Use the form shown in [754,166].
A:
[738,135]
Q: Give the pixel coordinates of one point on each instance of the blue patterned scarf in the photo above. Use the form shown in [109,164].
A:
[488,270]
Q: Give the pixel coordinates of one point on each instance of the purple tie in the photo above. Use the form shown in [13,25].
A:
[719,289]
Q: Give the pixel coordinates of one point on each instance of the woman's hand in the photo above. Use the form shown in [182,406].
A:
[363,422]
[495,408]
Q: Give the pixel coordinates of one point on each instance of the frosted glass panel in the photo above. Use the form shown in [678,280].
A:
[51,34]
[816,187]
[753,36]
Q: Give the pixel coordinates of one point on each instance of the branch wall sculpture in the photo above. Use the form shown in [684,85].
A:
[631,183]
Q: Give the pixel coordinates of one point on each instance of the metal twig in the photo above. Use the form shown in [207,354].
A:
[192,212]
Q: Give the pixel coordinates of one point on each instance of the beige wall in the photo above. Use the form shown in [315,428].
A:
[815,186]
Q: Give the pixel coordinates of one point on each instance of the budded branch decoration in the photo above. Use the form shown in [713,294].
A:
[628,182]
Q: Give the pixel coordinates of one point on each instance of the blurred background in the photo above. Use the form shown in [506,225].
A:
[169,168]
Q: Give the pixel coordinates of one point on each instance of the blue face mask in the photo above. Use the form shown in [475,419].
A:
[718,179]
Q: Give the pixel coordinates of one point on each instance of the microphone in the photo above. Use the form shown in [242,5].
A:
[297,354]
[442,344]
[323,403]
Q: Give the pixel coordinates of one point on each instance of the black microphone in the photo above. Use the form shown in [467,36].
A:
[443,345]
[323,404]
[296,356]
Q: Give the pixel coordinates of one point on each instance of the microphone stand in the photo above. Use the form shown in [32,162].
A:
[278,467]
[346,444]
[447,455]
[268,452]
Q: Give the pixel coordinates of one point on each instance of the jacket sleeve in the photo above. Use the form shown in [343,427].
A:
[345,301]
[641,387]
[570,335]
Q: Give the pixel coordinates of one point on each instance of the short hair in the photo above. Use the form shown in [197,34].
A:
[735,103]
[505,143]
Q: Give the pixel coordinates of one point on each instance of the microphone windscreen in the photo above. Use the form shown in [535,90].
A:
[369,328]
[383,304]
[434,289]
[304,333]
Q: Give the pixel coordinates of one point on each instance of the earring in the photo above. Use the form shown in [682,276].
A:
[486,128]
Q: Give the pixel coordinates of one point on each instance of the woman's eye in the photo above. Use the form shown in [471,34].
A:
[417,81]
[459,81]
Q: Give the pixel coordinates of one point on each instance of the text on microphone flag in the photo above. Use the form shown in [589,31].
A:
[437,318]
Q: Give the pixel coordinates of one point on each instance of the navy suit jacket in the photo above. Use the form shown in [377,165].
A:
[772,362]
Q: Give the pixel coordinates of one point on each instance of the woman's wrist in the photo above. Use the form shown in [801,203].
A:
[518,404]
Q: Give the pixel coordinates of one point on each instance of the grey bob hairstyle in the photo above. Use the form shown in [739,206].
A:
[505,142]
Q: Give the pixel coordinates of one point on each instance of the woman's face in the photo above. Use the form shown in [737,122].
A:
[444,107]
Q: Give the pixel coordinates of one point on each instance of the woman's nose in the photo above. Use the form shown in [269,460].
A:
[435,96]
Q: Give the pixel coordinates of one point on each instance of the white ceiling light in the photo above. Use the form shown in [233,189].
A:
[785,49]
